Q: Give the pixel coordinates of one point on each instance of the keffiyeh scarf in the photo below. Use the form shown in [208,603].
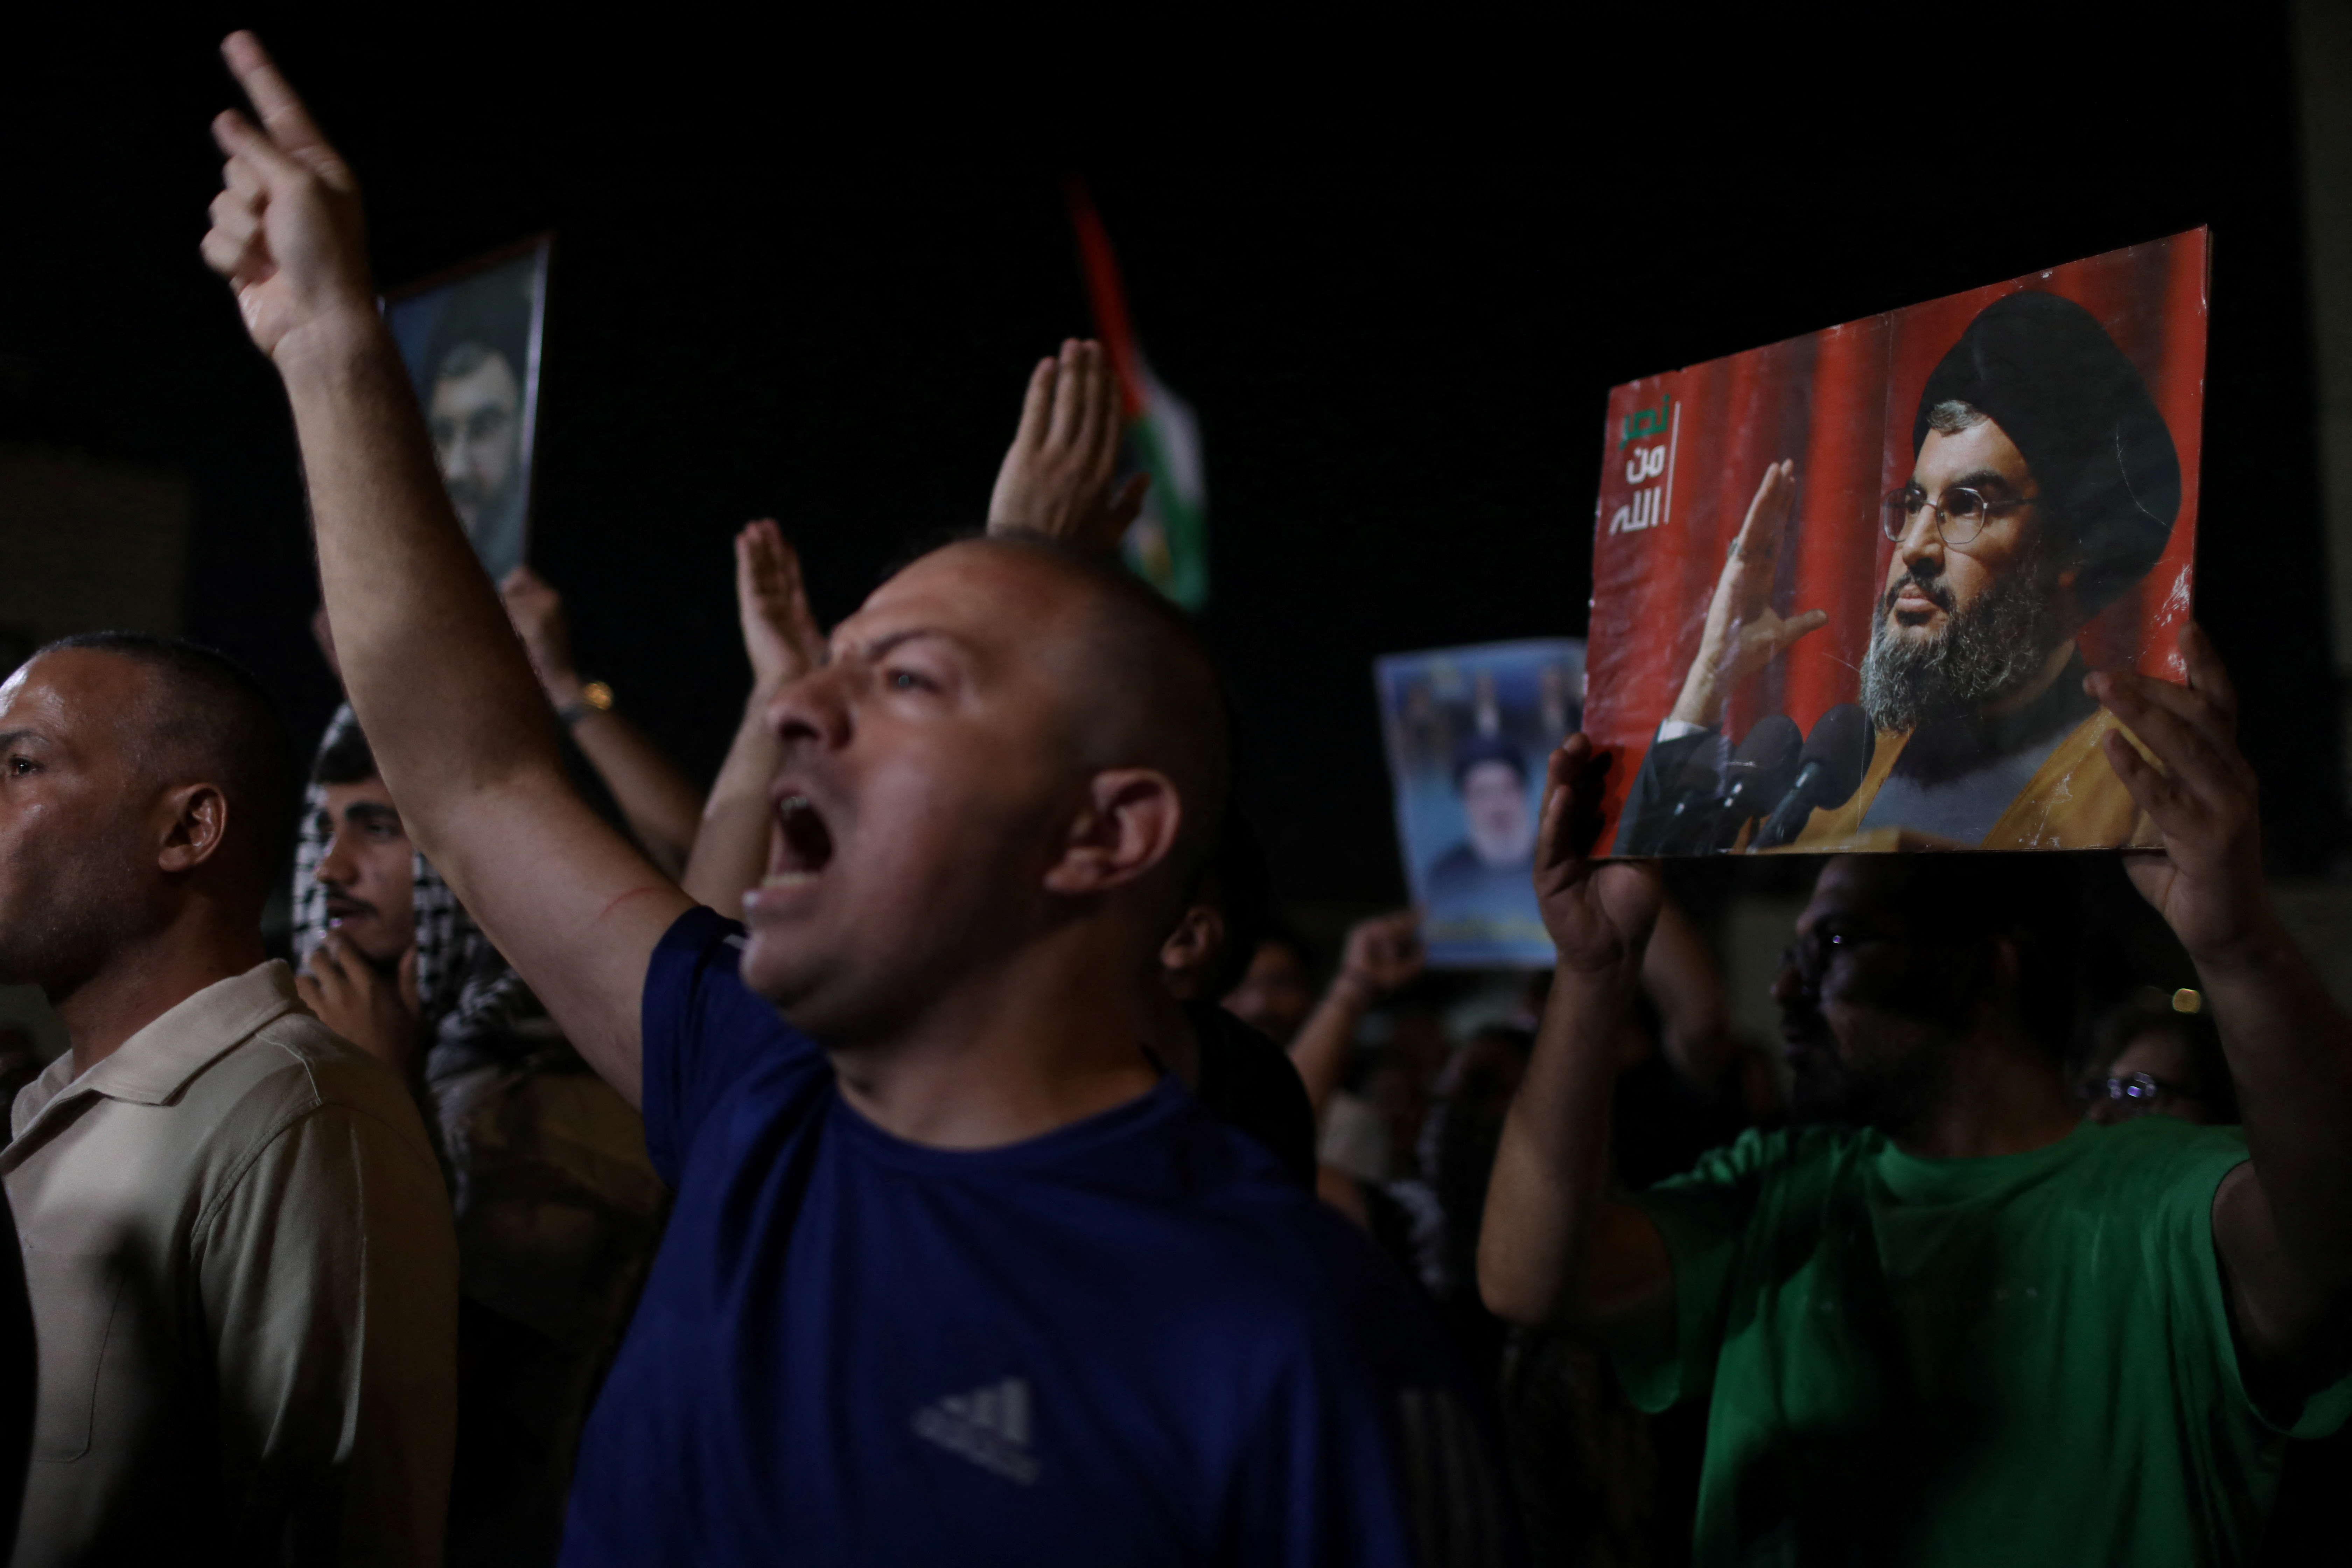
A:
[476,1008]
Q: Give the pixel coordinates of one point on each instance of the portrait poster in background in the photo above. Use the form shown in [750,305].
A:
[1469,731]
[1846,587]
[470,338]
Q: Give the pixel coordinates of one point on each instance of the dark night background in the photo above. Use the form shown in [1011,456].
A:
[807,280]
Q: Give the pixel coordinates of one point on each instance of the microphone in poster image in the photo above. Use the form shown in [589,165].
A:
[1706,802]
[1836,754]
[1760,773]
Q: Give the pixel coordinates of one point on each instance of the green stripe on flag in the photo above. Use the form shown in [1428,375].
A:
[1167,546]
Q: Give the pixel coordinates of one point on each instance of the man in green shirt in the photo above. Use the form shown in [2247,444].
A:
[1943,1320]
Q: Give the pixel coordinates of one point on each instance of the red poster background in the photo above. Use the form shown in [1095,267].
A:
[1840,402]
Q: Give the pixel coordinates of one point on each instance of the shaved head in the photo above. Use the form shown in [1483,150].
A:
[1144,692]
[1011,752]
[201,717]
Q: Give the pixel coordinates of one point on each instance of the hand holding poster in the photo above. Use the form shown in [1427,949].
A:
[1846,588]
[1468,733]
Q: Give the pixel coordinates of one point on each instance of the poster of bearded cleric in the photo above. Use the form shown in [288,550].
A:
[1846,588]
[1468,733]
[470,339]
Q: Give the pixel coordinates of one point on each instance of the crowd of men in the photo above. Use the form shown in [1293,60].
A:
[922,1146]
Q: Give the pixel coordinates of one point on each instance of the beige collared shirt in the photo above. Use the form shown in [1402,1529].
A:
[245,1292]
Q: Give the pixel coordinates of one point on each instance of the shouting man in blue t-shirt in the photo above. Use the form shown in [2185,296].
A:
[972,1280]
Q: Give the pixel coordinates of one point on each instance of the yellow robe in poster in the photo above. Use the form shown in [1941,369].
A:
[2073,801]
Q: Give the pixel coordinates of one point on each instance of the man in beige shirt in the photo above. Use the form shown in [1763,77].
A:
[236,1242]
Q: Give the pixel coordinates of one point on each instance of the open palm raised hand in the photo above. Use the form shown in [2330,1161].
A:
[287,231]
[1600,913]
[780,633]
[1744,633]
[1057,475]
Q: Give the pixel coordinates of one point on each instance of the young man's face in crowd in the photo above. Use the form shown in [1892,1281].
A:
[369,870]
[1869,1010]
[1494,801]
[930,779]
[476,420]
[1276,994]
[77,865]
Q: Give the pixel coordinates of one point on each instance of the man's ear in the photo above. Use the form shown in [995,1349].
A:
[195,819]
[1199,937]
[1127,826]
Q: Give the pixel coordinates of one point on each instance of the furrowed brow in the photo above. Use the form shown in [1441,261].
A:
[889,641]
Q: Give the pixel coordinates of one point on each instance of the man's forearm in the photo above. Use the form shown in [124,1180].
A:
[429,659]
[730,847]
[2290,1051]
[1551,1172]
[1320,1050]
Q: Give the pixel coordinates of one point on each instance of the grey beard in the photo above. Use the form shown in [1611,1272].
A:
[1990,648]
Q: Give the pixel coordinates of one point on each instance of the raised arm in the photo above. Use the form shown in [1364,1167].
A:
[782,639]
[432,668]
[662,805]
[1556,1249]
[2283,1222]
[1382,954]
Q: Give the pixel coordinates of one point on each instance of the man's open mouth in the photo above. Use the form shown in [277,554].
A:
[803,844]
[340,909]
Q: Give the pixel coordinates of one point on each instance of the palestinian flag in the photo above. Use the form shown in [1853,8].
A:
[1169,545]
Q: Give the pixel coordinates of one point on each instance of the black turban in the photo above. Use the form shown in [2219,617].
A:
[492,310]
[1487,749]
[2044,371]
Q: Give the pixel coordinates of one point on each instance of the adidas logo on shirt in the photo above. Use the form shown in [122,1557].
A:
[990,1426]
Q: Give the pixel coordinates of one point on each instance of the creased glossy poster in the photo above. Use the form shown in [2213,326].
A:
[1846,587]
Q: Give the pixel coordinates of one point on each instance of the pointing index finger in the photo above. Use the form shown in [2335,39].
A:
[282,113]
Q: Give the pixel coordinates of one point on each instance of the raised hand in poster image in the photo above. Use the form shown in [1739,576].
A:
[1703,802]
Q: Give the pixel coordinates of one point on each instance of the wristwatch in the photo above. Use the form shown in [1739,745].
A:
[596,697]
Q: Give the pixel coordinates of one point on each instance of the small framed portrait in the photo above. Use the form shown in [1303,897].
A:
[470,338]
[1469,730]
[1847,588]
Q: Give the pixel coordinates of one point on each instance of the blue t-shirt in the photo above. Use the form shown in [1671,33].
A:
[1129,1340]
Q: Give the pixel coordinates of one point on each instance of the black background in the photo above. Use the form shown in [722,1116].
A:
[1395,273]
